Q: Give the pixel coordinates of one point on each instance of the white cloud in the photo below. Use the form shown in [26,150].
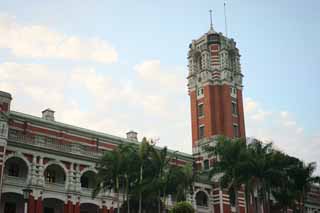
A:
[116,107]
[152,72]
[285,132]
[34,41]
[250,105]
[104,104]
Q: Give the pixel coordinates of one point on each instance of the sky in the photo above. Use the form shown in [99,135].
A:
[115,66]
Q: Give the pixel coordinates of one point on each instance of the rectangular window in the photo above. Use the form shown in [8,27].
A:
[234,108]
[206,164]
[235,130]
[50,177]
[201,132]
[200,110]
[200,92]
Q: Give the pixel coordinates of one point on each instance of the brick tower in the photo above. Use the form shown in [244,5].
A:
[215,87]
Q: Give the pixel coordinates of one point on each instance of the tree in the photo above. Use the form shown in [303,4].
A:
[232,155]
[261,169]
[161,163]
[109,173]
[303,178]
[143,153]
[129,171]
[182,207]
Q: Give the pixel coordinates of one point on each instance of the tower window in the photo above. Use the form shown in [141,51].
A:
[201,132]
[235,130]
[200,91]
[234,108]
[200,110]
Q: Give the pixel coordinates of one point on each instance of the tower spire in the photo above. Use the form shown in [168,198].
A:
[211,27]
[225,18]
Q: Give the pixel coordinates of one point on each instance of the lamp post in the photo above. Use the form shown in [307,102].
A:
[26,195]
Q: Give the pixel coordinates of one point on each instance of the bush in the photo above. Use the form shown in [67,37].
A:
[182,207]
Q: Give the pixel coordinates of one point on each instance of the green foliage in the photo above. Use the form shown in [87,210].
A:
[182,207]
[260,167]
[146,175]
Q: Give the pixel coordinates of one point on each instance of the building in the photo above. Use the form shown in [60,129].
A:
[57,161]
[215,90]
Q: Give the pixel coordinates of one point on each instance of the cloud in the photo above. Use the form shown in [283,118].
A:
[152,72]
[40,42]
[84,97]
[283,130]
[252,109]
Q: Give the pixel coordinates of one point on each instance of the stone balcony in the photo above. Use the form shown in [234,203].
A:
[203,209]
[15,181]
[55,145]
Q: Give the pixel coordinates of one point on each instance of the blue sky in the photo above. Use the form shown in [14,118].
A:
[144,78]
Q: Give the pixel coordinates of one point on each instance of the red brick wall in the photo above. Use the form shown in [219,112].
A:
[227,111]
[218,118]
[241,114]
[208,112]
[194,117]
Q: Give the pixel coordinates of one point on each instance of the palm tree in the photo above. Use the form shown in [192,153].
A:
[232,155]
[260,170]
[109,173]
[302,175]
[161,162]
[143,154]
[129,171]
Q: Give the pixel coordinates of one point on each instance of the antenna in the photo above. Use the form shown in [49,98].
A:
[211,27]
[225,18]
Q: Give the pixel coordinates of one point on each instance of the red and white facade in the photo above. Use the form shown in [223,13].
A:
[215,90]
[56,161]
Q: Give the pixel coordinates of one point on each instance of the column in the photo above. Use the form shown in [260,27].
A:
[69,207]
[111,210]
[39,206]
[40,172]
[104,209]
[31,204]
[77,207]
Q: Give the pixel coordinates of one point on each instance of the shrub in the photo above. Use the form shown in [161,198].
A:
[182,207]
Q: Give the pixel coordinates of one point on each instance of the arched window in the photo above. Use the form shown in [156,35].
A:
[88,179]
[54,174]
[201,199]
[16,167]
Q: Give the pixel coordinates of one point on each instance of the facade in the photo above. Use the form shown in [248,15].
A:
[215,90]
[216,102]
[312,204]
[57,161]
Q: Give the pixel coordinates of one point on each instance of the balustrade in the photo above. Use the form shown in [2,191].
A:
[55,144]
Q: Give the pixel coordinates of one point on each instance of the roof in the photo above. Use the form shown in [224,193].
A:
[85,132]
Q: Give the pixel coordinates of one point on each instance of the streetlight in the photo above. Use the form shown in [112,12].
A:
[26,195]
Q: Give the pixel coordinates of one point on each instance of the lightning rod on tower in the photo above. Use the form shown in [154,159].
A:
[211,27]
[225,19]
